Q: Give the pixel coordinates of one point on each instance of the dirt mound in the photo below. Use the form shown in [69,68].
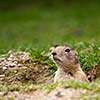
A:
[94,73]
[17,66]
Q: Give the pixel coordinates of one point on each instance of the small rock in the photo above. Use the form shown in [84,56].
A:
[58,94]
[4,68]
[2,76]
[3,93]
[23,67]
[19,65]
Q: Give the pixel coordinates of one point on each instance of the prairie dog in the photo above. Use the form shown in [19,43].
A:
[68,65]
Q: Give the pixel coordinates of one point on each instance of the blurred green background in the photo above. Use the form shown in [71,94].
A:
[40,23]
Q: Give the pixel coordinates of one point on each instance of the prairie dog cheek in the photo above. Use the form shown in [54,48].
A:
[76,60]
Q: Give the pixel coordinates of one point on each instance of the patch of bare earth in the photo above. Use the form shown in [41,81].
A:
[40,94]
[17,67]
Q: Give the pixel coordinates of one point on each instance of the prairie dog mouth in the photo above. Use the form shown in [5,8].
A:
[56,58]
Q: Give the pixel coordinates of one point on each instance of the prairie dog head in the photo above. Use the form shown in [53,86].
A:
[64,56]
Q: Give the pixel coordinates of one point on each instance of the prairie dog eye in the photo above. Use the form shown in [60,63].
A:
[67,50]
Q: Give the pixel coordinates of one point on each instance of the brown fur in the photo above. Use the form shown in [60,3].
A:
[68,65]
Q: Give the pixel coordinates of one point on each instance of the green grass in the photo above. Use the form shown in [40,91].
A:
[20,87]
[39,26]
[94,86]
[89,54]
[75,84]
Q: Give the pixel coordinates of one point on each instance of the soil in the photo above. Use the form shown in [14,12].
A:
[18,67]
[56,94]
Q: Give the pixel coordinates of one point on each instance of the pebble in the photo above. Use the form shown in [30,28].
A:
[3,93]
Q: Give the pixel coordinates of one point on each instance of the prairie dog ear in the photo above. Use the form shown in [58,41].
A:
[53,47]
[53,44]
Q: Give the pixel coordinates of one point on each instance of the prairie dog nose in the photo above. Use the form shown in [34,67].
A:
[54,53]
